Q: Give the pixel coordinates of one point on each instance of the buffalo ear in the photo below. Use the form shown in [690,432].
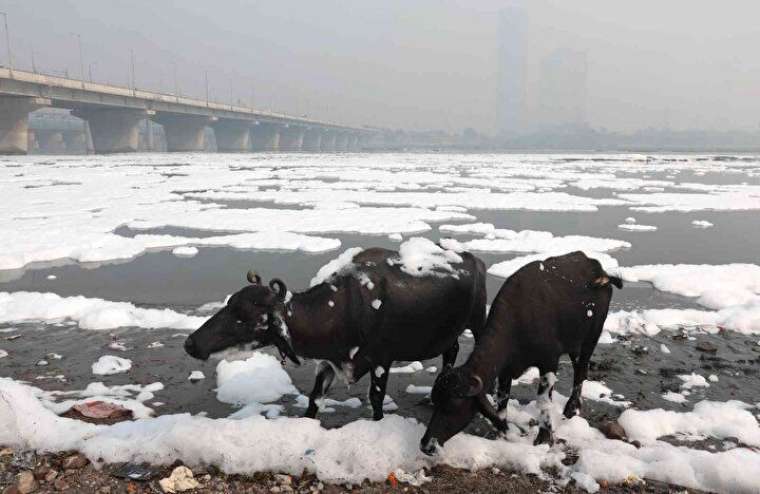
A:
[475,385]
[279,288]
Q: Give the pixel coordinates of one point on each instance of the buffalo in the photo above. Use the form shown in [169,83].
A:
[544,310]
[380,306]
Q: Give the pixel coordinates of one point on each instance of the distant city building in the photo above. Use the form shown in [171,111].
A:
[561,96]
[512,78]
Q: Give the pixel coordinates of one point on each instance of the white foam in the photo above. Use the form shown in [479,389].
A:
[419,256]
[259,379]
[337,266]
[109,364]
[674,397]
[693,380]
[185,251]
[709,419]
[505,269]
[742,319]
[701,224]
[637,227]
[418,390]
[598,391]
[501,240]
[89,313]
[292,445]
[409,368]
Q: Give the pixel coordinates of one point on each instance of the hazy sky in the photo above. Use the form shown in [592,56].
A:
[417,64]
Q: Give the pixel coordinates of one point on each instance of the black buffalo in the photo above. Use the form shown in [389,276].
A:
[544,310]
[363,318]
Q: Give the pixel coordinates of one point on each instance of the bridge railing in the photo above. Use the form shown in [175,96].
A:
[94,87]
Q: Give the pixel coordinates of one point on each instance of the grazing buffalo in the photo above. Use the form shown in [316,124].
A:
[544,310]
[380,306]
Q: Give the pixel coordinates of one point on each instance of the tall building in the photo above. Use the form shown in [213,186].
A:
[512,65]
[562,90]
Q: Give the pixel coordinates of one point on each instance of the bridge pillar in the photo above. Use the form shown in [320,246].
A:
[14,122]
[312,140]
[328,141]
[51,141]
[341,142]
[184,133]
[75,141]
[31,141]
[291,139]
[233,136]
[265,137]
[353,142]
[113,130]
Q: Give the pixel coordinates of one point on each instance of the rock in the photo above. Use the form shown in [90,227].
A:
[60,484]
[6,451]
[74,462]
[636,444]
[98,412]
[180,480]
[283,479]
[640,350]
[612,430]
[25,482]
[51,475]
[707,347]
[42,471]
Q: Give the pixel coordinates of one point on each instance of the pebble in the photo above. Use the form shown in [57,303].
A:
[707,347]
[25,482]
[283,479]
[612,430]
[180,480]
[41,473]
[74,462]
[60,484]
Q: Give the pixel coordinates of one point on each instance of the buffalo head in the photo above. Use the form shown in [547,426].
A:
[253,316]
[456,397]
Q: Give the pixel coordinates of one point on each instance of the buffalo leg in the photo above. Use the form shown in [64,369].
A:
[322,383]
[377,390]
[502,394]
[486,410]
[450,355]
[544,401]
[580,372]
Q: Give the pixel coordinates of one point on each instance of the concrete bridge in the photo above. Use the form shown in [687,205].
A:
[114,114]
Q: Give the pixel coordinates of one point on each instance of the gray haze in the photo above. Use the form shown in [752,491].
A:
[421,64]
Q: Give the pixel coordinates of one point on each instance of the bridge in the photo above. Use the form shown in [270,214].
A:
[113,116]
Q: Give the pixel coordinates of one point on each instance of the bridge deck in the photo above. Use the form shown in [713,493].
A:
[74,94]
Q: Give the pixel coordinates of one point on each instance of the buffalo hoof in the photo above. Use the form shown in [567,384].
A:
[544,437]
[572,409]
[502,427]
